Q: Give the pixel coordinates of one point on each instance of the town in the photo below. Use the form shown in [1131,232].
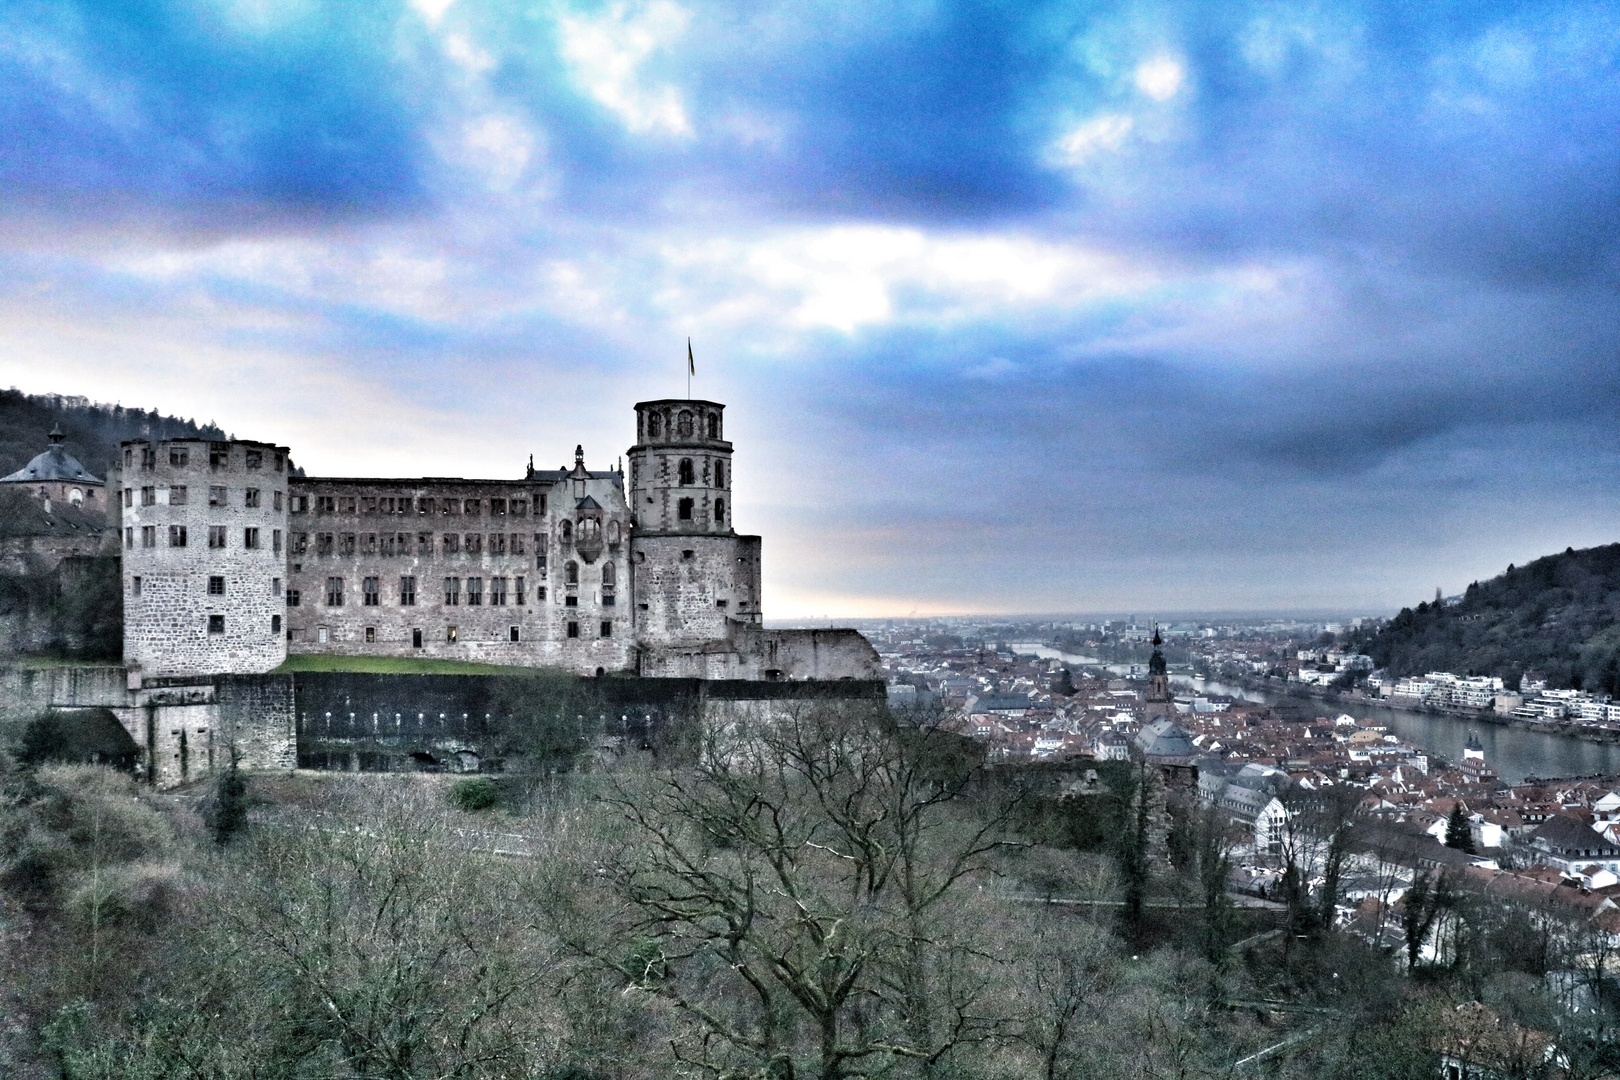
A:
[1556,841]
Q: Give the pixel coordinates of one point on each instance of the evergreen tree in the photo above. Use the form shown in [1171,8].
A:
[230,802]
[1458,834]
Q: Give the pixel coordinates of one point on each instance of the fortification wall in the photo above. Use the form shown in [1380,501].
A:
[691,590]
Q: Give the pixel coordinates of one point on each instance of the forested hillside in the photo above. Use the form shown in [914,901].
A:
[92,432]
[1559,615]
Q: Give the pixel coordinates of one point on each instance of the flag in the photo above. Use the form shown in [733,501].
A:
[691,365]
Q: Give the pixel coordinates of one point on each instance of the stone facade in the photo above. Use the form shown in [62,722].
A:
[204,559]
[564,569]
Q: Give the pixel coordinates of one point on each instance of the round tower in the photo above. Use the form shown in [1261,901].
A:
[680,468]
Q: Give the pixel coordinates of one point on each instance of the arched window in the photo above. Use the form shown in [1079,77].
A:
[719,511]
[571,573]
[686,472]
[589,529]
[613,532]
[684,425]
[609,575]
[565,532]
[714,425]
[719,474]
[654,424]
[683,509]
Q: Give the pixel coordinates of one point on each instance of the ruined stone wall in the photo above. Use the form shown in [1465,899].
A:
[203,562]
[668,434]
[690,589]
[545,559]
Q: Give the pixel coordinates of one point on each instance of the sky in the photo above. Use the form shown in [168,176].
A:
[1018,307]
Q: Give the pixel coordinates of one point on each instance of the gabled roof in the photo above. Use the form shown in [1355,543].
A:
[1561,833]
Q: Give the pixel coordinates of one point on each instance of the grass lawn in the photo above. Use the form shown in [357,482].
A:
[402,665]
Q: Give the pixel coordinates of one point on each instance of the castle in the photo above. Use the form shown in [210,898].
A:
[232,560]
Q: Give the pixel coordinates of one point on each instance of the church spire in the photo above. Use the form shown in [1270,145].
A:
[1158,673]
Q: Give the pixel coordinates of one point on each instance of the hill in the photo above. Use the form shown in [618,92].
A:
[92,432]
[1559,615]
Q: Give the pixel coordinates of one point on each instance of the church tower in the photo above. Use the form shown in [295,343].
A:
[695,579]
[1158,688]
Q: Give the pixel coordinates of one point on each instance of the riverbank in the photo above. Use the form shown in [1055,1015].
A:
[1566,729]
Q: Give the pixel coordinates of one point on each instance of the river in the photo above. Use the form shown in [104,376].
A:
[1514,752]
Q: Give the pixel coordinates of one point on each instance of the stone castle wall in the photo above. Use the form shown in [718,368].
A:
[204,524]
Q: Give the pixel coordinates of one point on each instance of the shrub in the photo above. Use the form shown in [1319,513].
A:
[476,794]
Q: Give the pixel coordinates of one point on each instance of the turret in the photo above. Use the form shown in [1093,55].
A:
[680,468]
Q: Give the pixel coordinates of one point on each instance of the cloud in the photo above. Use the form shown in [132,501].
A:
[607,52]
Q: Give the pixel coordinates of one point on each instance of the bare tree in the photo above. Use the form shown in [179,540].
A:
[789,894]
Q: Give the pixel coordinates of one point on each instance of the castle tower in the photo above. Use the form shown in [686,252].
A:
[695,579]
[204,528]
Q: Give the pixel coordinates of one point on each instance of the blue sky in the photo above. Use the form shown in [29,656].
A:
[1016,307]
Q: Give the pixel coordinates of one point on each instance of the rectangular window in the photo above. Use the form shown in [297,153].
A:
[323,543]
[450,634]
[368,544]
[129,496]
[683,509]
[517,592]
[497,543]
[497,592]
[298,504]
[475,591]
[368,504]
[474,543]
[607,629]
[540,594]
[424,543]
[346,504]
[386,544]
[416,637]
[513,632]
[294,597]
[250,498]
[573,629]
[275,624]
[250,539]
[450,506]
[452,543]
[452,591]
[148,458]
[177,495]
[255,459]
[424,506]
[216,624]
[275,541]
[149,536]
[472,507]
[497,508]
[280,461]
[540,553]
[520,507]
[179,456]
[275,500]
[275,586]
[517,544]
[570,601]
[346,544]
[216,586]
[129,537]
[148,496]
[135,585]
[407,592]
[216,536]
[608,599]
[369,593]
[216,495]
[371,635]
[334,592]
[539,505]
[323,634]
[325,504]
